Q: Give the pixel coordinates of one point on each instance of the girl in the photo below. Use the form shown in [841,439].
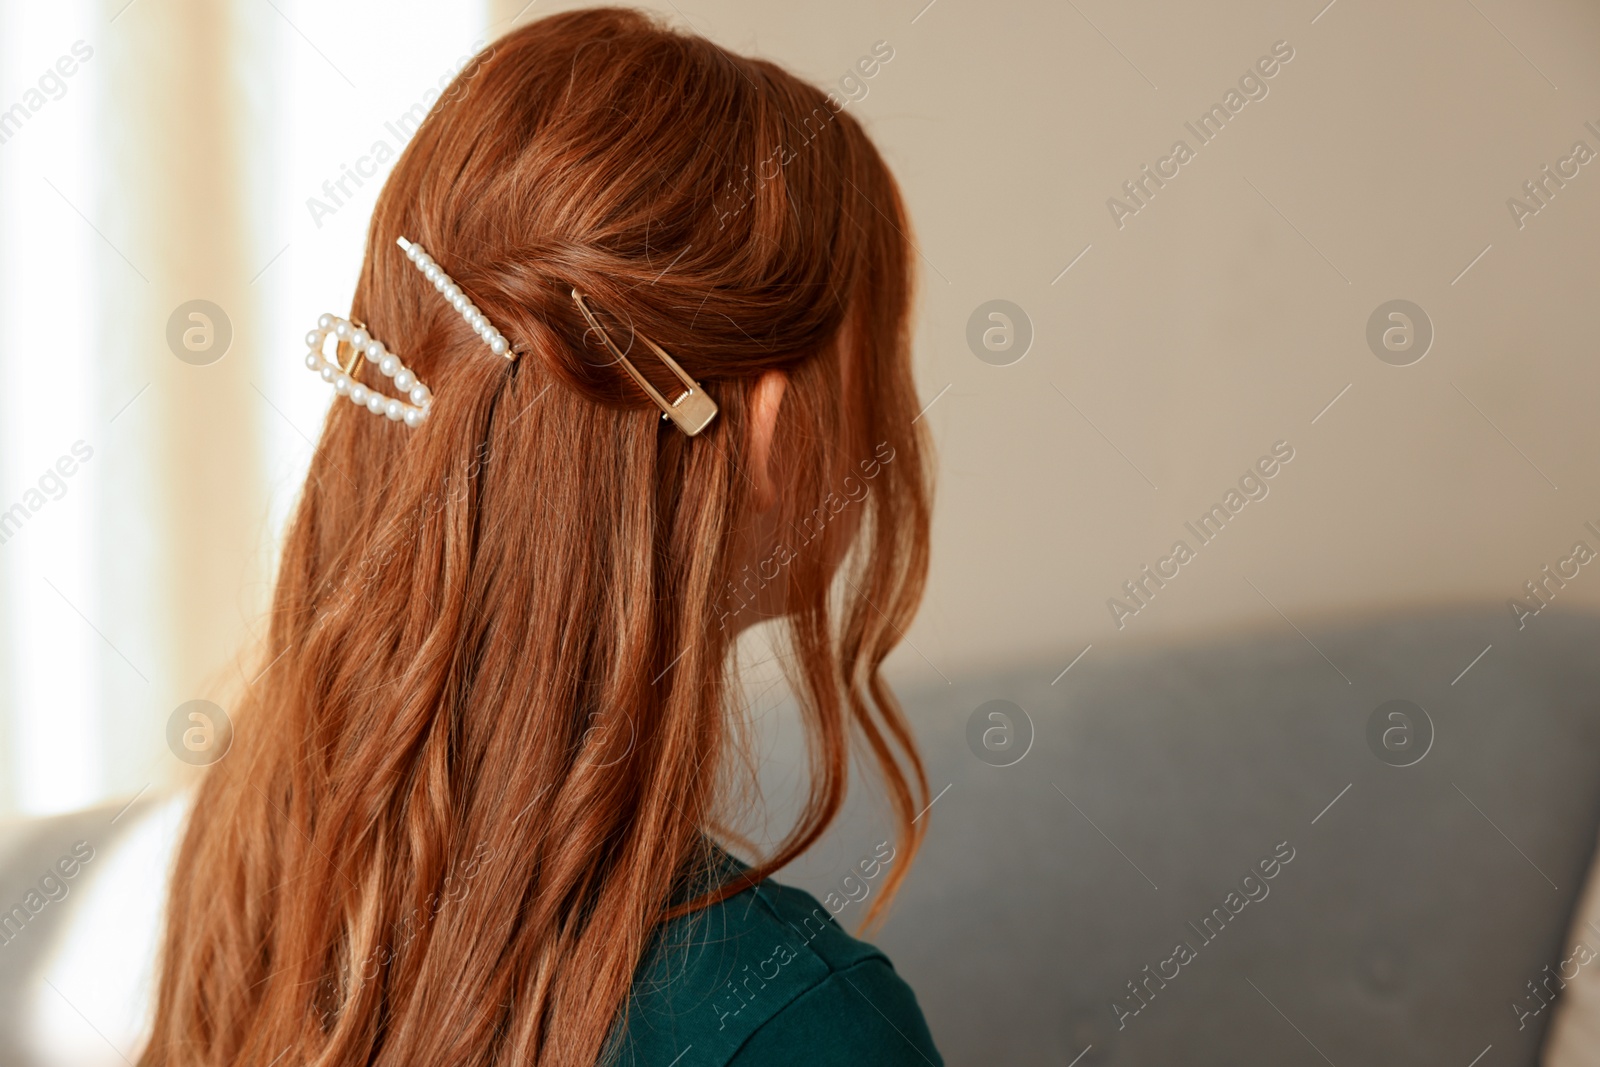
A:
[627,370]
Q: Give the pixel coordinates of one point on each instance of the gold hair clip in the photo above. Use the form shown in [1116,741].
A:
[692,411]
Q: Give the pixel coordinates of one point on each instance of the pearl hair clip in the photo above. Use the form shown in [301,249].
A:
[348,334]
[346,378]
[452,292]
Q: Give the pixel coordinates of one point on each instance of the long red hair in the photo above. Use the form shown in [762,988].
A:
[499,707]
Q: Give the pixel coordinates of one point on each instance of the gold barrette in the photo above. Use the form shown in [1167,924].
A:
[692,411]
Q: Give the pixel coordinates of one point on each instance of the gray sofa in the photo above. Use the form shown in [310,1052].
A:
[1417,904]
[1414,912]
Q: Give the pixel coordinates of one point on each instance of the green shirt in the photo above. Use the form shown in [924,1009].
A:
[767,978]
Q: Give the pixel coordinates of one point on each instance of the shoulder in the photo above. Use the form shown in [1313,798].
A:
[767,977]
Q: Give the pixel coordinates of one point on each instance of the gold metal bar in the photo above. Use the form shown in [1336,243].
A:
[692,410]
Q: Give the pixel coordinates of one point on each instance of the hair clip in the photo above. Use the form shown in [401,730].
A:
[692,411]
[354,336]
[452,292]
[346,378]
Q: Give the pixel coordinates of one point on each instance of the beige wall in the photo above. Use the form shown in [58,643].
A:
[186,456]
[1225,314]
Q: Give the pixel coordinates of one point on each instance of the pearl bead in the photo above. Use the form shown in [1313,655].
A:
[361,340]
[460,302]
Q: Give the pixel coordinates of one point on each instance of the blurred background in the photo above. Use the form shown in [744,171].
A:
[1371,269]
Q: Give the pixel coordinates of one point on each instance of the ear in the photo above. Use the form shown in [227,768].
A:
[765,400]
